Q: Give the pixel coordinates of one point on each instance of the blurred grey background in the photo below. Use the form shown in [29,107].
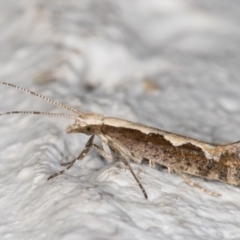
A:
[171,64]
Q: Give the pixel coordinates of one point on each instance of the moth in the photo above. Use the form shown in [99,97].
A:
[134,142]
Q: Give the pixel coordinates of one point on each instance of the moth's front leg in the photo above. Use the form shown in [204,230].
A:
[79,158]
[85,151]
[104,154]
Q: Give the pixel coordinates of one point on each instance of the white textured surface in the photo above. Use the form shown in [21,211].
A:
[97,56]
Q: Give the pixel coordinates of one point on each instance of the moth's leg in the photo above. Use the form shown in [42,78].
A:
[127,164]
[79,158]
[105,155]
[118,151]
[191,183]
[151,164]
[105,144]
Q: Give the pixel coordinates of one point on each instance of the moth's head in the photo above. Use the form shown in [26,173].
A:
[87,123]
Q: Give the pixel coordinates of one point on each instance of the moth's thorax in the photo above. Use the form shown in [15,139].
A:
[90,119]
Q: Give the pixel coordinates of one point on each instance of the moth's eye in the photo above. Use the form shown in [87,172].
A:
[88,130]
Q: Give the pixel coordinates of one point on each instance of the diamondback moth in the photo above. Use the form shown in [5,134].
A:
[134,142]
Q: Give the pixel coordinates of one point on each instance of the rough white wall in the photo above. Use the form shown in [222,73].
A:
[101,56]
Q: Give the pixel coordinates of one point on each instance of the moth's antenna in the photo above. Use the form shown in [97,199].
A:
[41,113]
[43,97]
